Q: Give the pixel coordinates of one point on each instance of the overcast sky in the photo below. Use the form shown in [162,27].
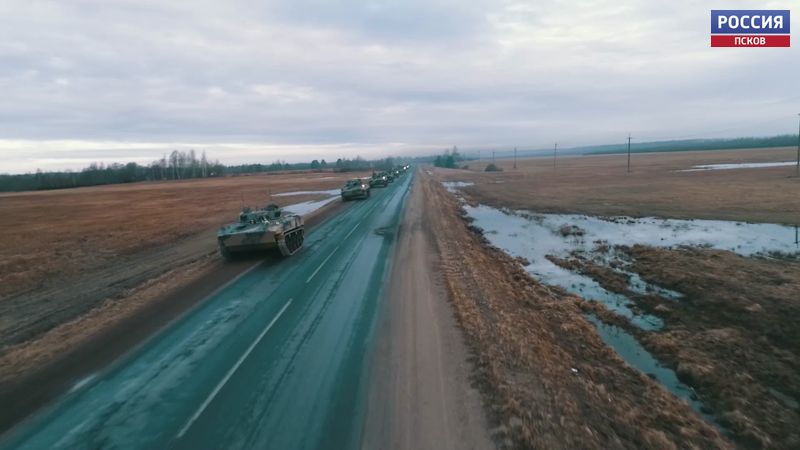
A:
[257,81]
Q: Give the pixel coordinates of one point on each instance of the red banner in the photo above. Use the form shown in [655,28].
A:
[731,40]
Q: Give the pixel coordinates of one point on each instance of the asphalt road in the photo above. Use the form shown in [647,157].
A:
[275,359]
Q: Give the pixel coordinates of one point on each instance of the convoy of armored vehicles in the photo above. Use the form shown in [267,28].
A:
[382,179]
[271,228]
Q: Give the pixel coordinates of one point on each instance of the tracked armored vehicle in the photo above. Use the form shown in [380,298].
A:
[355,188]
[262,229]
[378,180]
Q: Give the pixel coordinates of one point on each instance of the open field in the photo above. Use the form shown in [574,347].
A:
[192,383]
[76,257]
[600,185]
[732,334]
[547,378]
[65,231]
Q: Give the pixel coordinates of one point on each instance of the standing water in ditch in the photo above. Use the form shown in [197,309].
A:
[632,351]
[534,237]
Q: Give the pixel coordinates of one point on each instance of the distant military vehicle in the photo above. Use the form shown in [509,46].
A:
[378,180]
[355,188]
[262,229]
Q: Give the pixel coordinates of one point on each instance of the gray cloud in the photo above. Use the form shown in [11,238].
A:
[262,80]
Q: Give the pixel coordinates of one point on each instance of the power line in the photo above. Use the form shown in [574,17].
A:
[629,153]
[707,135]
[555,151]
[515,157]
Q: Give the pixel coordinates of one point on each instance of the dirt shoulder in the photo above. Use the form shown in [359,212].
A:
[420,393]
[547,377]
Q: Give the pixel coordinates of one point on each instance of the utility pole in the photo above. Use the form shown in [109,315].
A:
[797,170]
[555,151]
[515,157]
[629,153]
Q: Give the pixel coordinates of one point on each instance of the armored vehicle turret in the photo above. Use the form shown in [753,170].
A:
[262,229]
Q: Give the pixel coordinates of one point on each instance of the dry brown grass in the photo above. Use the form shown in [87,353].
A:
[527,340]
[734,338]
[600,185]
[64,232]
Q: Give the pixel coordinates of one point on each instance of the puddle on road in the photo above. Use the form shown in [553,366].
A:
[706,167]
[386,232]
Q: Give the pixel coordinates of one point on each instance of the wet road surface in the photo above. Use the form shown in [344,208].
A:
[274,359]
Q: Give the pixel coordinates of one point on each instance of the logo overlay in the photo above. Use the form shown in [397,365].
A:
[750,28]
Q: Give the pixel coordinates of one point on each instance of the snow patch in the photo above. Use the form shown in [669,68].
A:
[706,167]
[306,208]
[328,192]
[454,186]
[533,237]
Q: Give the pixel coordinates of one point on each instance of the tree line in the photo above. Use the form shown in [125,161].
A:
[449,159]
[341,165]
[177,165]
[783,140]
